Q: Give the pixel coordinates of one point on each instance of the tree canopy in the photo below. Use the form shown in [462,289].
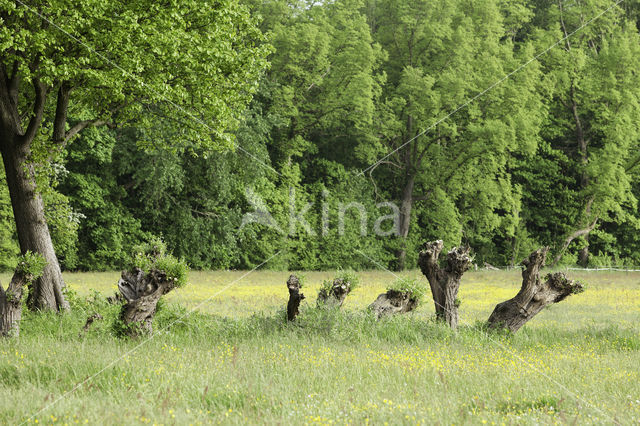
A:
[184,122]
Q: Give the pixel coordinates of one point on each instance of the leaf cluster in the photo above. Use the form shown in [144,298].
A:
[153,255]
[415,287]
[31,265]
[346,276]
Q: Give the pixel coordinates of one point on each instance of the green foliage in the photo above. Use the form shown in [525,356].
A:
[348,83]
[108,230]
[153,256]
[9,249]
[123,63]
[348,276]
[31,265]
[302,279]
[413,286]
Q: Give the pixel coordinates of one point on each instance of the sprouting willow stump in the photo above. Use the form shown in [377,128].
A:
[142,292]
[295,297]
[394,302]
[534,295]
[445,282]
[11,304]
[335,295]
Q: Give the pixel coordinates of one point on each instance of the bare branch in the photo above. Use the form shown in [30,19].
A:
[78,127]
[38,112]
[573,236]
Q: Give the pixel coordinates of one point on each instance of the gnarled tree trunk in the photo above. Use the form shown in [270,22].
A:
[11,305]
[334,297]
[295,297]
[393,302]
[534,294]
[33,233]
[142,292]
[445,282]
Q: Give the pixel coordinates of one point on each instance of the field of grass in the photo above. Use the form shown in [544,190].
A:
[234,360]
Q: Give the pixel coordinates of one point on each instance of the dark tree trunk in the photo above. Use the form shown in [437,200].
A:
[142,292]
[445,282]
[334,297]
[33,233]
[405,221]
[28,208]
[393,302]
[11,305]
[534,295]
[295,297]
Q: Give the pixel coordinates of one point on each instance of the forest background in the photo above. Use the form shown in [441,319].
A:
[359,102]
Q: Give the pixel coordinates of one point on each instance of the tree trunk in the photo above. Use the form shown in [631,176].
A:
[445,282]
[583,254]
[405,221]
[534,295]
[295,297]
[11,305]
[142,292]
[335,295]
[393,302]
[33,233]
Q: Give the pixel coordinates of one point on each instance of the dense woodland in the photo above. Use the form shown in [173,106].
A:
[315,95]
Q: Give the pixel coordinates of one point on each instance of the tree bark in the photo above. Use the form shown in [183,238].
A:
[405,221]
[445,282]
[334,297]
[393,302]
[583,254]
[11,305]
[33,234]
[534,295]
[28,208]
[295,297]
[142,292]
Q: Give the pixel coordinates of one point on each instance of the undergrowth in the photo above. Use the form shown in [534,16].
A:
[358,327]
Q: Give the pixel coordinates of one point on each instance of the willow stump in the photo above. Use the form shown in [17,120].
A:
[445,282]
[334,294]
[394,302]
[295,297]
[534,294]
[141,292]
[11,305]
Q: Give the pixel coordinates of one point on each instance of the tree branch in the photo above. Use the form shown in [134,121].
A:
[564,28]
[573,236]
[632,164]
[78,127]
[13,84]
[9,116]
[38,112]
[60,119]
[424,197]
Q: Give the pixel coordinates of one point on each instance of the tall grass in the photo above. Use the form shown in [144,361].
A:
[574,363]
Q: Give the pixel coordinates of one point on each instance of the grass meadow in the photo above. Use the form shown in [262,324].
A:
[224,354]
